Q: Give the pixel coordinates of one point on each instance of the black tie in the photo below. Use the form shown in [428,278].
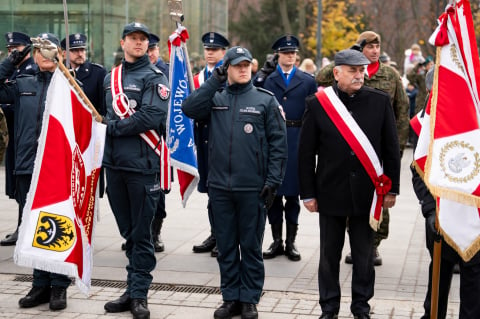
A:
[209,73]
[286,75]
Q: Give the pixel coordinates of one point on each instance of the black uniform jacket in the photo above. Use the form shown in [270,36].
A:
[247,135]
[91,75]
[338,180]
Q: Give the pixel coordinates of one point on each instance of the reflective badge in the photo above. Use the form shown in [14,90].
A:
[163,91]
[248,128]
[132,103]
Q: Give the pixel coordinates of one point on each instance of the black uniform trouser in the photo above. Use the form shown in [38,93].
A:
[291,208]
[133,198]
[332,238]
[469,283]
[41,278]
[239,223]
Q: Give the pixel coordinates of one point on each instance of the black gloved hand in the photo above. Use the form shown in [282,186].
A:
[359,47]
[220,73]
[15,57]
[268,67]
[431,227]
[268,194]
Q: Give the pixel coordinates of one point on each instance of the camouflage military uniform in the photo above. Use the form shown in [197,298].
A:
[388,80]
[418,79]
[3,135]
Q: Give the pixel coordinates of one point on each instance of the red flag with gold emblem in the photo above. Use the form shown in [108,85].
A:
[60,213]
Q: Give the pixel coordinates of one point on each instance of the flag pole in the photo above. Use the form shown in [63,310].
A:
[437,254]
[67,42]
[176,13]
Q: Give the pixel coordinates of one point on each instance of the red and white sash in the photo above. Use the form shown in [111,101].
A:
[121,107]
[362,147]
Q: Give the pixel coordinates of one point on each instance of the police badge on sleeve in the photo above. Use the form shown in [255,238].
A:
[163,91]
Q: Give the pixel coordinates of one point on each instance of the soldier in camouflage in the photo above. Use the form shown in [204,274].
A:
[387,79]
[3,135]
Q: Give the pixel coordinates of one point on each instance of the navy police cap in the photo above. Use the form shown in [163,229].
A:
[350,57]
[214,40]
[135,27]
[287,43]
[75,41]
[153,40]
[237,54]
[17,38]
[49,36]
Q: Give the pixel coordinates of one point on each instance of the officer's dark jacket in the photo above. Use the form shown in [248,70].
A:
[124,148]
[292,100]
[337,179]
[91,75]
[28,94]
[247,139]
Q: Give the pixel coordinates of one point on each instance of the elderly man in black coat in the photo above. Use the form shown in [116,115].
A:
[348,154]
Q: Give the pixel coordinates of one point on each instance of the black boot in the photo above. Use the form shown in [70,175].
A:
[58,298]
[276,248]
[207,245]
[290,249]
[139,309]
[10,239]
[157,240]
[36,296]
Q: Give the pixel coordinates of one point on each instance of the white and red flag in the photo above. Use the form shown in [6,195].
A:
[60,212]
[450,138]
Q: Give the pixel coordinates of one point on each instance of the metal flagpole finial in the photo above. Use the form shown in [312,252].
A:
[176,10]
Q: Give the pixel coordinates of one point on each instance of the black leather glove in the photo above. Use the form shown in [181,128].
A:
[359,47]
[220,73]
[268,194]
[268,67]
[431,227]
[15,57]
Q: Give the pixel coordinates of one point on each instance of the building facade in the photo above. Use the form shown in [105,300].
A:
[103,20]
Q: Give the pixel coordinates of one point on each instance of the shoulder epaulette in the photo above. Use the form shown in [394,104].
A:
[24,75]
[97,65]
[155,69]
[264,90]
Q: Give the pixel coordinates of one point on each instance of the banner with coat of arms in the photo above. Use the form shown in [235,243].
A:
[60,212]
[449,142]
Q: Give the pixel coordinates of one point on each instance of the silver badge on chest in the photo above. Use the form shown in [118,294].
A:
[248,128]
[132,103]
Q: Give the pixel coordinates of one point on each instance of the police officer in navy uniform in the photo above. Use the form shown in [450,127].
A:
[214,45]
[19,44]
[132,165]
[28,94]
[291,86]
[91,76]
[154,54]
[247,157]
